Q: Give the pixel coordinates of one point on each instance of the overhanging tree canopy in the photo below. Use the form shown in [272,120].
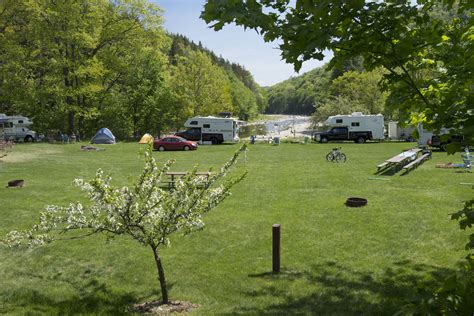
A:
[429,56]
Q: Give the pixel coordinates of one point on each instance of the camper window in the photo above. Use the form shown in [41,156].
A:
[194,123]
[355,124]
[338,120]
[206,126]
[339,130]
[20,121]
[196,131]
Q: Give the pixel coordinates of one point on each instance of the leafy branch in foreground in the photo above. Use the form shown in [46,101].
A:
[146,212]
[425,46]
[456,293]
[5,147]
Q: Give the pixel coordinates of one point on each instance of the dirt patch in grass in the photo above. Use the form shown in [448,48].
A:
[158,308]
[28,156]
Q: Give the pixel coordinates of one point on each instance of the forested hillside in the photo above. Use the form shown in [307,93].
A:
[321,92]
[80,65]
[247,97]
[299,95]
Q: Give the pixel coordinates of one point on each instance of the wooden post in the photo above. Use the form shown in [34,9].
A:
[276,248]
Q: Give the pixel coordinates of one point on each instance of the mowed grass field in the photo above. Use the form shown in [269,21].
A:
[335,259]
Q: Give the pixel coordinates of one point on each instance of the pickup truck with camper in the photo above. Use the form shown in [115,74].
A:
[211,129]
[355,127]
[16,128]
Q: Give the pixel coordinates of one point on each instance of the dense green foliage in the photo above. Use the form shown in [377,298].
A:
[355,91]
[300,95]
[247,97]
[81,65]
[335,260]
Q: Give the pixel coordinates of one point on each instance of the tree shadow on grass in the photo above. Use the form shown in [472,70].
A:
[90,297]
[335,289]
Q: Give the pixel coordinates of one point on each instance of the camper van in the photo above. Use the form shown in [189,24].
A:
[211,129]
[16,128]
[356,127]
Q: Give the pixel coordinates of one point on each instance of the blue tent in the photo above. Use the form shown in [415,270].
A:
[103,136]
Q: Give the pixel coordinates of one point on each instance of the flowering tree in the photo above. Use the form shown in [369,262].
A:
[5,147]
[145,211]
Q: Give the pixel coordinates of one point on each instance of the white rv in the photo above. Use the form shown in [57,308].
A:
[16,128]
[357,127]
[212,129]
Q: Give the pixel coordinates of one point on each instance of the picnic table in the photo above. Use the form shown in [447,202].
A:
[400,159]
[174,175]
[404,156]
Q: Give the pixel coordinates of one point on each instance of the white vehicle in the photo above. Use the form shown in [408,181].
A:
[357,127]
[211,129]
[16,128]
[400,133]
[427,137]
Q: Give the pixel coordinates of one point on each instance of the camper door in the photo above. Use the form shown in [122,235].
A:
[194,133]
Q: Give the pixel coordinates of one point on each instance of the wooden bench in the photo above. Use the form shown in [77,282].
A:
[415,163]
[382,166]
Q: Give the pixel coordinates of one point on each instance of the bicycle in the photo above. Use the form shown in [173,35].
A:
[336,155]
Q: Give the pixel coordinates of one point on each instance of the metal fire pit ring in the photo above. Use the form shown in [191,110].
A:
[356,202]
[16,183]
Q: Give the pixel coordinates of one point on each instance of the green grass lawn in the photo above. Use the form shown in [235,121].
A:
[335,260]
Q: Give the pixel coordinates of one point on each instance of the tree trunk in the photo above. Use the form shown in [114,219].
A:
[161,276]
[80,126]
[71,122]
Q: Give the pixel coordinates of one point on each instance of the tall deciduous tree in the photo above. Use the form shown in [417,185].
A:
[362,88]
[335,105]
[354,92]
[200,85]
[65,58]
[244,101]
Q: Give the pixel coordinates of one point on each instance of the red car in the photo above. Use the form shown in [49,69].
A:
[174,143]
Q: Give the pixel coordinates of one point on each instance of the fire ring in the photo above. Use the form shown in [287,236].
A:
[16,183]
[356,202]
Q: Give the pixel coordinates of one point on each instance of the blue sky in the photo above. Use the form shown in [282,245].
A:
[246,48]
